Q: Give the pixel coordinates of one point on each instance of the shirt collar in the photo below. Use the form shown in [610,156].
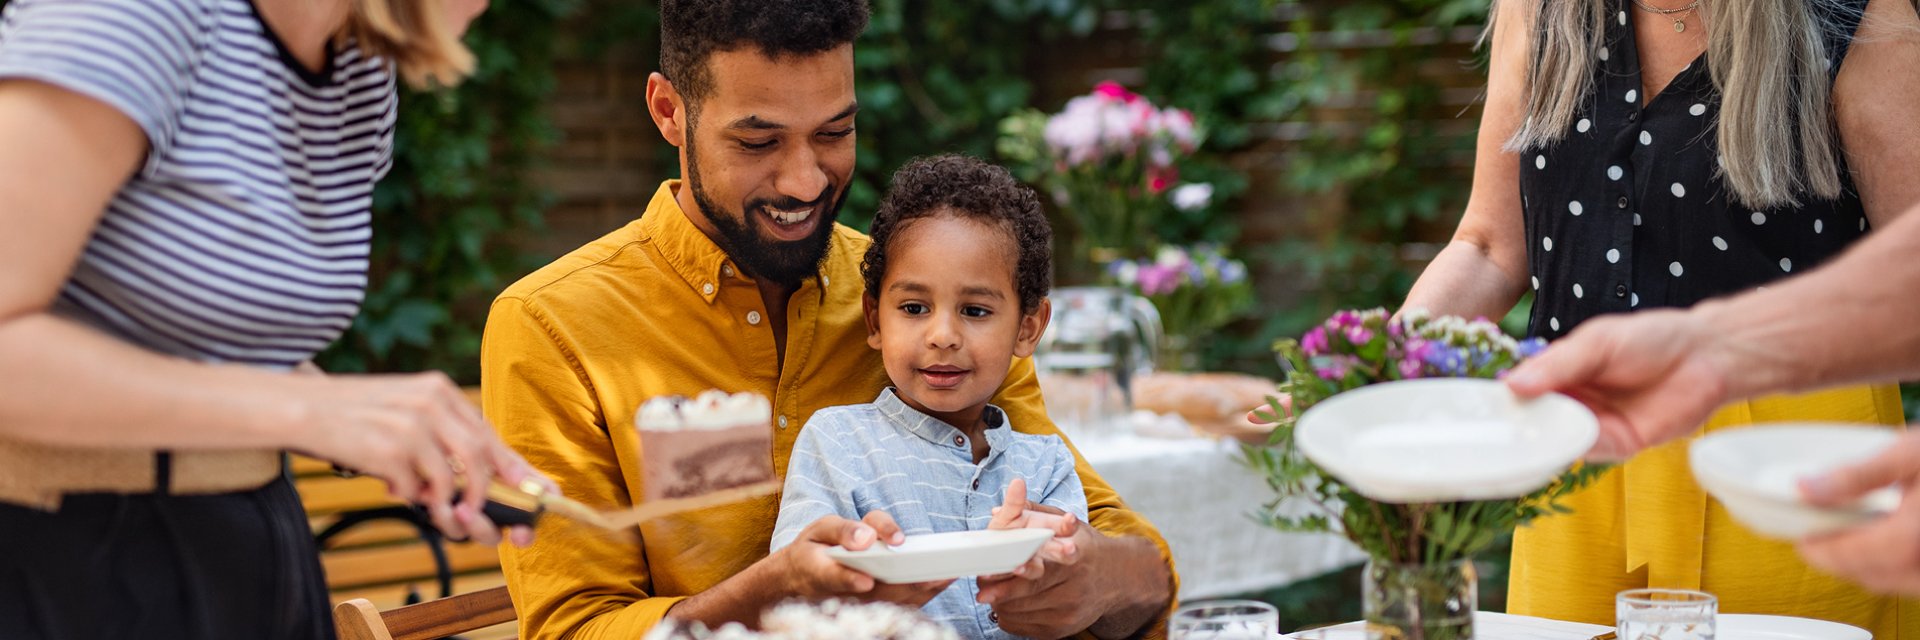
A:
[688,251]
[936,431]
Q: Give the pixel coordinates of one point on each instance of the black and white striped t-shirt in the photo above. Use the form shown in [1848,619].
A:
[244,237]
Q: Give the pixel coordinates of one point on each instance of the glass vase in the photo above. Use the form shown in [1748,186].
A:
[1420,602]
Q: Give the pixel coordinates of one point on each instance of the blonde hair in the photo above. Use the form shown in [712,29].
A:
[416,36]
[1768,59]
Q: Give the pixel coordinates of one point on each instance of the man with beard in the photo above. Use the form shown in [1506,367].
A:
[739,279]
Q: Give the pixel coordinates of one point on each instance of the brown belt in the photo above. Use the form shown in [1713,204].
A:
[38,476]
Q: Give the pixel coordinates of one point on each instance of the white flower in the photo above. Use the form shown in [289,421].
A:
[1188,197]
[1178,124]
[1127,273]
[1171,257]
[1075,131]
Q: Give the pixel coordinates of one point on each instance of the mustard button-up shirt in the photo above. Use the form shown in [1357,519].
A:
[656,308]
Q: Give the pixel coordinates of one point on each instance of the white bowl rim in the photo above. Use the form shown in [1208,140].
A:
[1724,483]
[1007,537]
[1320,452]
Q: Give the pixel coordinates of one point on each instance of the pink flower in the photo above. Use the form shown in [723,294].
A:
[1344,319]
[1410,368]
[1113,91]
[1156,279]
[1159,181]
[1359,336]
[1315,342]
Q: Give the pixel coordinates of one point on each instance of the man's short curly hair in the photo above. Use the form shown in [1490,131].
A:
[968,188]
[691,31]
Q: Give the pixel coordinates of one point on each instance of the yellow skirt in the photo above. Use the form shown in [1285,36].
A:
[1647,524]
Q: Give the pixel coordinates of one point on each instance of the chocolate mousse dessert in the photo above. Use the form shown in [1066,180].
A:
[713,442]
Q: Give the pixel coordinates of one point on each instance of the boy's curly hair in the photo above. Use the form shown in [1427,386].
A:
[691,31]
[968,188]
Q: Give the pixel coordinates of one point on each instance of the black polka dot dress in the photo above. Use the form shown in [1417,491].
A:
[1626,212]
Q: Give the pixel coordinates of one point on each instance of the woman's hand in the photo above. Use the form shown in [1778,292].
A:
[1263,415]
[421,435]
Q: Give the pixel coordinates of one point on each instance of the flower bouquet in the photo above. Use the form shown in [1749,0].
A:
[1420,583]
[1197,290]
[1108,159]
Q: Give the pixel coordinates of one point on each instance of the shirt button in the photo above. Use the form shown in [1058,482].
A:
[783,422]
[1633,117]
[1619,291]
[706,289]
[824,280]
[726,270]
[976,484]
[994,616]
[753,317]
[959,441]
[1621,203]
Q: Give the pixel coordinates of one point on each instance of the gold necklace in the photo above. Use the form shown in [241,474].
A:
[1680,23]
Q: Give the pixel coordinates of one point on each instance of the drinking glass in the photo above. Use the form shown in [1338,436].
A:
[1224,620]
[1664,614]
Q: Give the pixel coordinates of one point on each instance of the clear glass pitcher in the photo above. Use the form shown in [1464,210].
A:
[1098,340]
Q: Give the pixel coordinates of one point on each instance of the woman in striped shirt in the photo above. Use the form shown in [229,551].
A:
[185,188]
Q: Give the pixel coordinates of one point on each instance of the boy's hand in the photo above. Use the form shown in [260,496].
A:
[1015,512]
[914,595]
[812,575]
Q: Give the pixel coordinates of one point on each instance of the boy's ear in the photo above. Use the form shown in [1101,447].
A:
[668,109]
[870,308]
[1032,326]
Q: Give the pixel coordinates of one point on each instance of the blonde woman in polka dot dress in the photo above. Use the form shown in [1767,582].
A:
[1655,153]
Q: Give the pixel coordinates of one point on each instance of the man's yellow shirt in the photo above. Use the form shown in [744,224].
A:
[656,308]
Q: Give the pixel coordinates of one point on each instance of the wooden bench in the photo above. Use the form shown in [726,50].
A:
[386,561]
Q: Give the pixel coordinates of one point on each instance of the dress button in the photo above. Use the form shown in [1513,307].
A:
[959,441]
[1633,117]
[1621,203]
[1619,291]
[753,317]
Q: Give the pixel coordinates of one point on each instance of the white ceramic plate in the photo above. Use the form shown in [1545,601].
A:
[1440,440]
[1733,626]
[1755,473]
[942,556]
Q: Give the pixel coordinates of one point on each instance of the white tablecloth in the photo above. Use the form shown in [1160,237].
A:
[1200,495]
[1486,626]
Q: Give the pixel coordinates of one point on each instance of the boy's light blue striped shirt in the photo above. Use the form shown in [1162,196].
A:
[886,456]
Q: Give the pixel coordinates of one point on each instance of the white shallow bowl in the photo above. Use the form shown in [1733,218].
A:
[1755,473]
[1443,440]
[944,556]
[1734,626]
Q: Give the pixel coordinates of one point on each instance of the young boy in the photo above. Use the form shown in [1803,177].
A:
[956,281]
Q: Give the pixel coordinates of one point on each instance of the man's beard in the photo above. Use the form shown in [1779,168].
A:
[782,262]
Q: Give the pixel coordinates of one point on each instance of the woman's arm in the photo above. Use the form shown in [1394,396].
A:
[1483,271]
[65,384]
[1876,106]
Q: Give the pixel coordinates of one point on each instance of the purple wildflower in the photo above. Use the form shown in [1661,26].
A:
[1531,347]
[1449,361]
[1410,369]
